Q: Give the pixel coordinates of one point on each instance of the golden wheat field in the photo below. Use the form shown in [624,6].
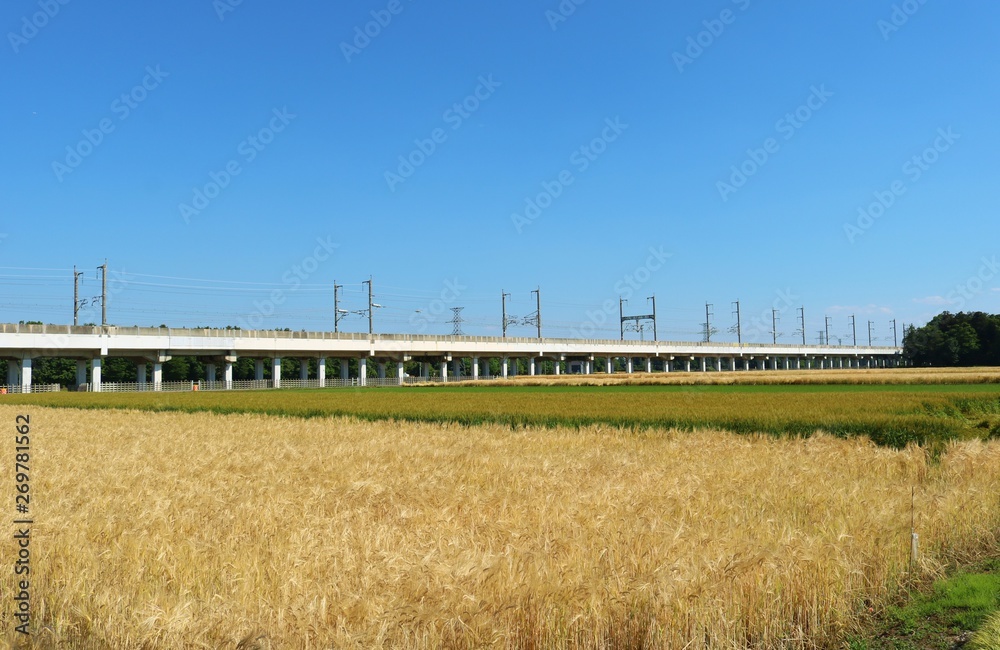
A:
[174,530]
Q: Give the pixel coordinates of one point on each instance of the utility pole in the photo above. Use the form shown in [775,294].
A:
[895,342]
[76,295]
[854,330]
[739,327]
[774,326]
[802,319]
[869,333]
[371,329]
[104,292]
[538,306]
[653,298]
[826,320]
[621,317]
[503,306]
[708,323]
[337,315]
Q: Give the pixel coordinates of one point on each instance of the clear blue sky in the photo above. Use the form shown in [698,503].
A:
[650,109]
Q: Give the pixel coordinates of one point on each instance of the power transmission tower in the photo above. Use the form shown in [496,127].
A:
[802,320]
[456,321]
[738,328]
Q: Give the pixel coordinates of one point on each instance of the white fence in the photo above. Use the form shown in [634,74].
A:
[35,388]
[262,384]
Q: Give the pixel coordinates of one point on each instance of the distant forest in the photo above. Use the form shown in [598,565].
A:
[962,339]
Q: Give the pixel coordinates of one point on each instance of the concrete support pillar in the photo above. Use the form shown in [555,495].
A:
[381,369]
[587,369]
[532,366]
[140,375]
[363,371]
[607,365]
[95,374]
[13,373]
[704,364]
[26,375]
[400,372]
[276,372]
[628,365]
[746,363]
[303,369]
[345,368]
[513,367]
[81,372]
[557,366]
[209,371]
[227,374]
[321,371]
[158,375]
[668,364]
[444,371]
[687,365]
[732,364]
[456,368]
[258,369]
[425,369]
[649,364]
[503,367]
[475,368]
[798,363]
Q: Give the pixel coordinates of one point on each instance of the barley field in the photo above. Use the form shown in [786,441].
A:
[892,415]
[246,530]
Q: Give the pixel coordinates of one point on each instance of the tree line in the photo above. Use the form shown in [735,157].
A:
[962,339]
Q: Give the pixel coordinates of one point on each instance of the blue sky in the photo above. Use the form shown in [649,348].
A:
[232,160]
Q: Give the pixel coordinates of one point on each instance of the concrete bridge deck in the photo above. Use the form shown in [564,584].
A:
[89,345]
